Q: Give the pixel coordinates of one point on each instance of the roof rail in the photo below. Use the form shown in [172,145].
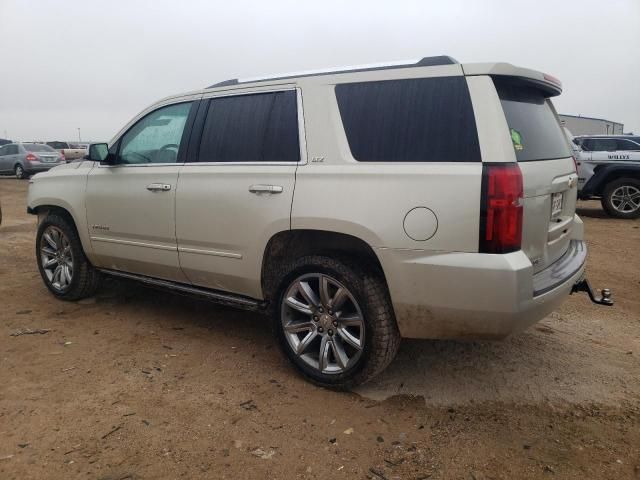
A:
[423,62]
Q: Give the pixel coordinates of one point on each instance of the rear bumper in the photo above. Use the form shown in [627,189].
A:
[471,295]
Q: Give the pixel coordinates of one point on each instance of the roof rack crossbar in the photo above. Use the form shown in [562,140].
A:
[423,62]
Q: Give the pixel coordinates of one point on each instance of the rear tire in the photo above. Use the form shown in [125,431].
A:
[63,265]
[358,339]
[621,198]
[19,172]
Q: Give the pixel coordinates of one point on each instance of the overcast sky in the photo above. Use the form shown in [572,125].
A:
[95,64]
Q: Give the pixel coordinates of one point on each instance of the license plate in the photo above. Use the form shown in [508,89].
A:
[556,204]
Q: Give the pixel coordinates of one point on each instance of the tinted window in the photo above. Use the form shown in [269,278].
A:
[12,150]
[251,128]
[3,151]
[37,147]
[58,145]
[535,131]
[587,144]
[603,145]
[415,120]
[155,138]
[627,145]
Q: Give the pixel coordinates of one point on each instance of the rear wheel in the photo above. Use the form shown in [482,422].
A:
[621,198]
[63,266]
[334,321]
[19,171]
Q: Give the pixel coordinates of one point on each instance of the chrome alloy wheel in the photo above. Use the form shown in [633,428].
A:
[626,199]
[323,323]
[56,258]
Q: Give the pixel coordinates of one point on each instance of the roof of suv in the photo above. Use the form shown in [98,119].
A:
[547,83]
[551,85]
[423,62]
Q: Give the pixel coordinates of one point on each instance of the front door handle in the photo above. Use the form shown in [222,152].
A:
[158,187]
[265,189]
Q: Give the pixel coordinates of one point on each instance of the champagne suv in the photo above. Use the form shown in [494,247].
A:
[355,207]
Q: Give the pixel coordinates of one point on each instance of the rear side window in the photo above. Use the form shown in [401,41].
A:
[535,131]
[413,120]
[603,145]
[261,127]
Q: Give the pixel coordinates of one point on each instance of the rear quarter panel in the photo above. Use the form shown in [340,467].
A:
[370,200]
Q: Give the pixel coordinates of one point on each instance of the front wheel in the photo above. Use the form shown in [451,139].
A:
[63,266]
[621,198]
[335,322]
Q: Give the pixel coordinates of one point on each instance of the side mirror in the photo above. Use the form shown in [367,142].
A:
[98,152]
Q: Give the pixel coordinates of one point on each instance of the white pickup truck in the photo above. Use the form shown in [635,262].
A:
[69,150]
[609,169]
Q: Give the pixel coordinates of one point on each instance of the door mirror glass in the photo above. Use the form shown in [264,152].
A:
[98,152]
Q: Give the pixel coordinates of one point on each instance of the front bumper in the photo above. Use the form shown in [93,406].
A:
[474,295]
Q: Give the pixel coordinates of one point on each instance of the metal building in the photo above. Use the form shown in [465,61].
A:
[579,125]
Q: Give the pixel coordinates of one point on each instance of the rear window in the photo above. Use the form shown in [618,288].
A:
[535,131]
[58,145]
[261,127]
[413,120]
[37,147]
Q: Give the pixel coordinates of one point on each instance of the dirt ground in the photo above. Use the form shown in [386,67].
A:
[141,384]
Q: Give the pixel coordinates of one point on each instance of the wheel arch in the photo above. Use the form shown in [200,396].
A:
[289,245]
[605,174]
[45,208]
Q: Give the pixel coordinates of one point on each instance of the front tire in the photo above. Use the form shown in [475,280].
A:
[334,321]
[621,198]
[19,171]
[63,265]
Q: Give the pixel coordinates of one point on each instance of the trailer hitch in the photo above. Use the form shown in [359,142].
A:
[603,299]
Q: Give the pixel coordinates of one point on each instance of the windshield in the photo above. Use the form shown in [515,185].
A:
[37,147]
[534,128]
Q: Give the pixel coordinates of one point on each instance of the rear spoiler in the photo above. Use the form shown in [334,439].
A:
[549,84]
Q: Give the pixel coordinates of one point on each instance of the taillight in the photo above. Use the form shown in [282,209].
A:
[575,162]
[62,157]
[501,208]
[31,157]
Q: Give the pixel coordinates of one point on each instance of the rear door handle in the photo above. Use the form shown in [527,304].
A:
[265,189]
[158,187]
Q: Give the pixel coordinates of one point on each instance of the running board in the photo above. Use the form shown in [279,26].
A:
[229,299]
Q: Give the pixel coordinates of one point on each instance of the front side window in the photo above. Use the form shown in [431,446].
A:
[155,138]
[260,127]
[627,145]
[412,120]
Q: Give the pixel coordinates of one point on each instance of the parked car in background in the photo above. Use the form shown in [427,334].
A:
[426,200]
[609,169]
[70,151]
[4,141]
[25,159]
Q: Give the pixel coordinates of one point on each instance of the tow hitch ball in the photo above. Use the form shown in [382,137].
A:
[603,299]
